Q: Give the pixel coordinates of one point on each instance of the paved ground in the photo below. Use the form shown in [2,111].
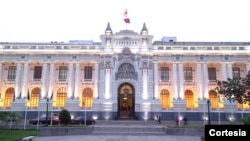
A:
[118,138]
[121,137]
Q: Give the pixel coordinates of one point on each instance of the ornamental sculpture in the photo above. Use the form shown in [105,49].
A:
[126,71]
[126,55]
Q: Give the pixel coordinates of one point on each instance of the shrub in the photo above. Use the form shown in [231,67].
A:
[9,116]
[64,117]
[245,120]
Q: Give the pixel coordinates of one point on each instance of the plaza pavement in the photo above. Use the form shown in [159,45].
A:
[121,137]
[118,138]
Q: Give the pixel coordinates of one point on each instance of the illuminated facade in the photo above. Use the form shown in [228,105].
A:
[126,75]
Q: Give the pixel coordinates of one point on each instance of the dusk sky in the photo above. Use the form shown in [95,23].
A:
[64,20]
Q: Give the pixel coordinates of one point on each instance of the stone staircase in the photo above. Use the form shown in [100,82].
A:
[128,131]
[128,128]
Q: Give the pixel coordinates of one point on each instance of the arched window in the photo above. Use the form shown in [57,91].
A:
[189,97]
[213,99]
[165,99]
[87,97]
[61,97]
[34,97]
[9,95]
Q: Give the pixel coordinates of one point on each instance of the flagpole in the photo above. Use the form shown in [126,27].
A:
[11,115]
[51,114]
[38,118]
[231,103]
[28,98]
[218,109]
[232,110]
[25,116]
[204,108]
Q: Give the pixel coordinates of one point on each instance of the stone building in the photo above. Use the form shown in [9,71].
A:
[125,75]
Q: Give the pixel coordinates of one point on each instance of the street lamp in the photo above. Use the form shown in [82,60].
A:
[179,111]
[47,110]
[85,100]
[208,110]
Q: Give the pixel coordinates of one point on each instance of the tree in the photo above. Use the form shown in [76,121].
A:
[235,89]
[64,117]
[9,116]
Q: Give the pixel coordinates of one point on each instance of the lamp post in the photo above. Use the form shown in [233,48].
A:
[204,109]
[179,111]
[85,105]
[47,111]
[208,110]
[218,108]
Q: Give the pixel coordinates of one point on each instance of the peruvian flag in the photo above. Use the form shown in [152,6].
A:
[126,19]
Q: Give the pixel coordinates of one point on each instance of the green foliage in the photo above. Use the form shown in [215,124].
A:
[245,120]
[64,117]
[16,135]
[236,89]
[9,116]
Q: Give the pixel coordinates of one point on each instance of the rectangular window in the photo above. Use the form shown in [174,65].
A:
[212,73]
[11,73]
[164,74]
[236,73]
[37,73]
[188,75]
[88,73]
[63,71]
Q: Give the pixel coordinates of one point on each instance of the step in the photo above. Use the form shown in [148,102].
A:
[129,133]
[127,130]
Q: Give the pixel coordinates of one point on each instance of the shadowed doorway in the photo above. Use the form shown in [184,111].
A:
[126,101]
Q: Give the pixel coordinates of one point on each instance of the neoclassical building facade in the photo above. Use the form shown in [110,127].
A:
[125,75]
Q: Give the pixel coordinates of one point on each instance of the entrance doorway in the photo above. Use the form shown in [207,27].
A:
[126,101]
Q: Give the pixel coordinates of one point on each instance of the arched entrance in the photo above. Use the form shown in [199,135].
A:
[126,101]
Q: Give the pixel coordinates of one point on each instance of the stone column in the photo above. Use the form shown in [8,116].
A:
[175,81]
[229,70]
[199,81]
[25,73]
[18,73]
[145,84]
[156,83]
[77,79]
[181,81]
[205,80]
[96,80]
[223,72]
[70,72]
[51,78]
[107,83]
[44,75]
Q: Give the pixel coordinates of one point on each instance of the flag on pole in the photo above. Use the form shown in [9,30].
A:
[28,95]
[126,19]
